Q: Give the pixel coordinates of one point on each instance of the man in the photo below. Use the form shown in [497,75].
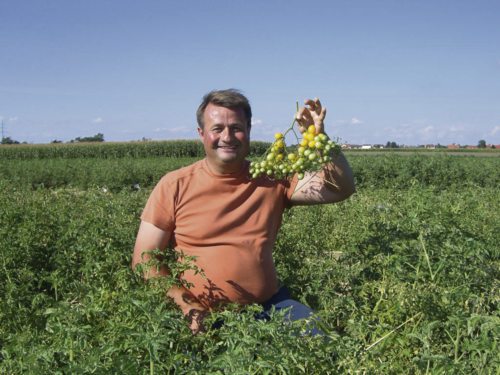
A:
[214,211]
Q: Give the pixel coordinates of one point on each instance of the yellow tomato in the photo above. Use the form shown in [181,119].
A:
[309,136]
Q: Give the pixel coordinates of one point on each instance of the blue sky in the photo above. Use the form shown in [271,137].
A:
[413,72]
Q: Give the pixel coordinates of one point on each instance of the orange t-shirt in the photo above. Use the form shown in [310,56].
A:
[229,223]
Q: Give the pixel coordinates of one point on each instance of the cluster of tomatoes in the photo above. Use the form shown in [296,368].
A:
[310,154]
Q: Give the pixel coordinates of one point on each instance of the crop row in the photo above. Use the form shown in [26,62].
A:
[388,170]
[405,282]
[175,149]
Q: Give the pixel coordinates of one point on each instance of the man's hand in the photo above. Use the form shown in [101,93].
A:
[192,309]
[312,114]
[334,182]
[195,319]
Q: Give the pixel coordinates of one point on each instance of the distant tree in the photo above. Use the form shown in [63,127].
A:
[99,137]
[481,144]
[391,145]
[9,141]
[56,141]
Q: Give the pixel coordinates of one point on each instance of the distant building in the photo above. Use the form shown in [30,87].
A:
[350,146]
[453,146]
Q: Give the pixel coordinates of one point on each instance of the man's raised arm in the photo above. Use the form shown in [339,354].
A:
[335,181]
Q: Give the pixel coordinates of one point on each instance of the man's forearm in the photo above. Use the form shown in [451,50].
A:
[150,237]
[179,294]
[144,260]
[338,176]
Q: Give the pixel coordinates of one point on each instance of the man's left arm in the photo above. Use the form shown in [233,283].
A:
[335,181]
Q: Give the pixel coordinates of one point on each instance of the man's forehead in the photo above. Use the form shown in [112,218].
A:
[216,112]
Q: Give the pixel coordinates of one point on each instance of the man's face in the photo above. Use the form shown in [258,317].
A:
[225,137]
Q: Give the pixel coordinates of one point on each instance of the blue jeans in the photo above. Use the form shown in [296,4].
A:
[283,300]
[296,310]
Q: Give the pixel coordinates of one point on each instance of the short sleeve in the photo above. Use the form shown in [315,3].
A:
[160,207]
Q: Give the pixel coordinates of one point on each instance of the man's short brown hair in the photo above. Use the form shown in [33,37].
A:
[230,98]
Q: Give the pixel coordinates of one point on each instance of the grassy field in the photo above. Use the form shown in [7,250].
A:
[404,274]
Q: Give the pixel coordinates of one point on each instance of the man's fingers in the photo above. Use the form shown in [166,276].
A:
[314,105]
[304,119]
[195,318]
[304,114]
[312,113]
[322,115]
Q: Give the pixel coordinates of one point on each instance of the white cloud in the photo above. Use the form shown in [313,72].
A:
[419,132]
[178,129]
[456,129]
[263,131]
[411,133]
[352,121]
[97,120]
[9,119]
[428,130]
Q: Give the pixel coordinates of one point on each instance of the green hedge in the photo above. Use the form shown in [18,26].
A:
[175,149]
[370,171]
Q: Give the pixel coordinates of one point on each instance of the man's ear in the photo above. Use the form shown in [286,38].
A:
[200,132]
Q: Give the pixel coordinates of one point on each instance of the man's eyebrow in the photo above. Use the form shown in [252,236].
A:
[232,125]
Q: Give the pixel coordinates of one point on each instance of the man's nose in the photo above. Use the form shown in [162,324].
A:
[227,134]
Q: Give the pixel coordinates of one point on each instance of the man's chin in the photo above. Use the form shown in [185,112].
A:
[230,156]
[229,160]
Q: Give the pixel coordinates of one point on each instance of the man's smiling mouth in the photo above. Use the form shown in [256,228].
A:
[228,148]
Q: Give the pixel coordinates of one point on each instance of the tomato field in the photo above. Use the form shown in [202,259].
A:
[404,274]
